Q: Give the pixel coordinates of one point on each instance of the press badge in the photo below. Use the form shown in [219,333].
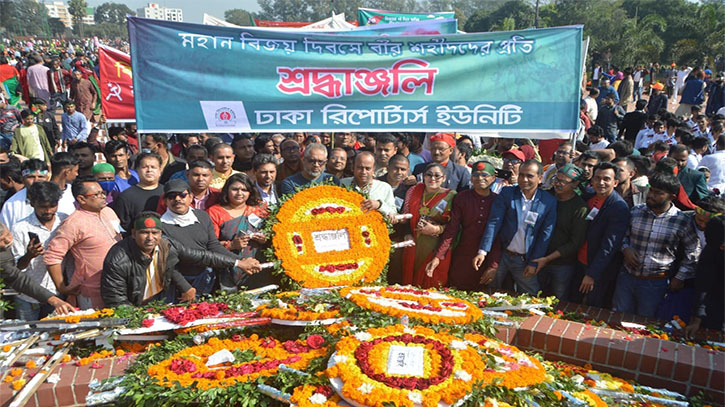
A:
[399,203]
[254,220]
[441,207]
[592,214]
[530,218]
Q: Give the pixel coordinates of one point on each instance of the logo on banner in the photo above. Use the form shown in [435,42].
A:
[114,91]
[225,117]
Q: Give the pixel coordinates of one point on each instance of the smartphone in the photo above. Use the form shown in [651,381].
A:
[33,237]
[242,233]
[503,174]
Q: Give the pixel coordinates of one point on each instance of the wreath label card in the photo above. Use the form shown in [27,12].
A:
[331,240]
[406,360]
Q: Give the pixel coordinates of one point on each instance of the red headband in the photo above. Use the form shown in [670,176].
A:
[447,138]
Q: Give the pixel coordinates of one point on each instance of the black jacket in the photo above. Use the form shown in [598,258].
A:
[19,280]
[123,279]
[632,123]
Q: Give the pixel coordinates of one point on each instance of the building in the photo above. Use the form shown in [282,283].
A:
[153,10]
[59,10]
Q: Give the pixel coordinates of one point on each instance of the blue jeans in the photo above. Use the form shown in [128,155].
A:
[31,311]
[637,295]
[516,266]
[204,282]
[554,280]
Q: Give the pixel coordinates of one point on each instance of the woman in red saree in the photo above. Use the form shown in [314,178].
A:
[430,205]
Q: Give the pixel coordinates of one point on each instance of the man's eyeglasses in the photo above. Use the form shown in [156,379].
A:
[481,175]
[316,162]
[433,176]
[512,160]
[98,194]
[174,195]
[561,181]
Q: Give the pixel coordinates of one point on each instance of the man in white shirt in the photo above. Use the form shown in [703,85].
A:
[380,194]
[591,102]
[30,237]
[17,207]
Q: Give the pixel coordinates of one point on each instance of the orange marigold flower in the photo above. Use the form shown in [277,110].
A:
[6,348]
[31,364]
[16,372]
[18,384]
[8,379]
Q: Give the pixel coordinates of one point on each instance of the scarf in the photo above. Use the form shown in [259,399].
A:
[173,218]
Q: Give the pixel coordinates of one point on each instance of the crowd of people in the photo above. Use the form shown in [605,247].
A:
[627,215]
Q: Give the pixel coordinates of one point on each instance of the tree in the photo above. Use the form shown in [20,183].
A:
[514,14]
[114,13]
[106,30]
[24,17]
[57,28]
[238,16]
[77,9]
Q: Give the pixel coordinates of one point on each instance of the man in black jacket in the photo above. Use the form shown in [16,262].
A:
[21,281]
[143,266]
[634,121]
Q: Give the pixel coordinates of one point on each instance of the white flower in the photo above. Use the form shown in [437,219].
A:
[340,358]
[500,295]
[363,336]
[409,330]
[472,344]
[365,388]
[320,308]
[415,397]
[318,398]
[458,345]
[463,375]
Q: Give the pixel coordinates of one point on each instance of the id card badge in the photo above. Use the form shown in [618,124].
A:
[530,218]
[254,220]
[592,214]
[399,203]
[441,206]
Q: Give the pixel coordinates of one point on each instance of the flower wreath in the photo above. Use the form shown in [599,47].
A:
[429,306]
[450,367]
[297,311]
[507,363]
[307,219]
[188,366]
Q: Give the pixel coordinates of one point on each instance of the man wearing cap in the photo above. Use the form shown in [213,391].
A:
[441,148]
[523,218]
[512,160]
[657,100]
[144,266]
[86,235]
[105,174]
[29,140]
[17,206]
[193,229]
[470,212]
[74,124]
[555,270]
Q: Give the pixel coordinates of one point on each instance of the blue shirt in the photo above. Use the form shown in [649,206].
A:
[290,184]
[123,183]
[414,159]
[75,127]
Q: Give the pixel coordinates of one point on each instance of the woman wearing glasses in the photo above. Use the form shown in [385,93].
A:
[430,205]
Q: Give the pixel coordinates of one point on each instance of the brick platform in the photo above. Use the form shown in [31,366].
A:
[651,362]
[72,388]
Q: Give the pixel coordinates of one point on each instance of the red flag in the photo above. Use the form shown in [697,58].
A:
[116,84]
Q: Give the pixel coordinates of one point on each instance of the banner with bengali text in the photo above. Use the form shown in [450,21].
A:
[116,83]
[369,16]
[199,78]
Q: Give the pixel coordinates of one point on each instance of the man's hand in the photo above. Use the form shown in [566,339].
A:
[370,205]
[631,259]
[541,262]
[587,285]
[410,180]
[488,276]
[61,307]
[530,271]
[676,284]
[69,289]
[189,295]
[249,265]
[432,266]
[478,260]
[34,249]
[692,327]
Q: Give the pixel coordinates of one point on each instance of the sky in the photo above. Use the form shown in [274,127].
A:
[193,9]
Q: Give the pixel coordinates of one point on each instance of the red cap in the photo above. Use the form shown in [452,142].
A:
[447,138]
[516,153]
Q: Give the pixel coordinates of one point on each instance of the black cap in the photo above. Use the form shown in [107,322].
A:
[176,185]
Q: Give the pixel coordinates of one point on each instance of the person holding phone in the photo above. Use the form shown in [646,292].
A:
[30,238]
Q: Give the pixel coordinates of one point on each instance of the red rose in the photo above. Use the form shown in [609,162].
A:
[146,323]
[236,338]
[315,341]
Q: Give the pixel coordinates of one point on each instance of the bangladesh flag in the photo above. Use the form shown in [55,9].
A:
[11,83]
